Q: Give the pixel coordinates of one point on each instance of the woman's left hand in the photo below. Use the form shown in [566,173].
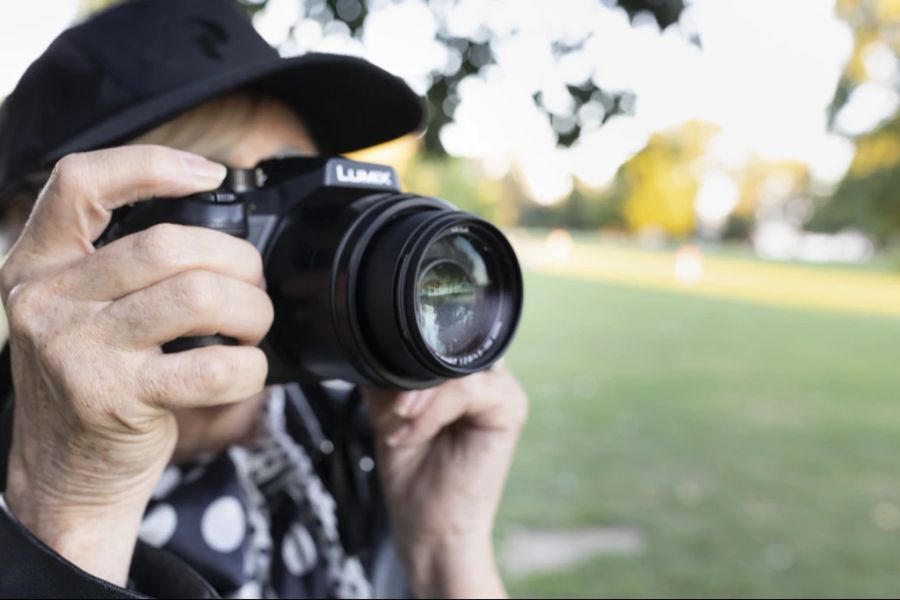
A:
[444,454]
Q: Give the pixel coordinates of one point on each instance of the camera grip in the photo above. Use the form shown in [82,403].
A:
[221,210]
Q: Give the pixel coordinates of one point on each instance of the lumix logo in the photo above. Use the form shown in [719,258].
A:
[366,176]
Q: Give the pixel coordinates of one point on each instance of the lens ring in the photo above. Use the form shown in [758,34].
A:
[500,312]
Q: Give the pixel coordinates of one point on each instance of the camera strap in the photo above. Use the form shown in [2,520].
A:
[5,374]
[6,409]
[333,426]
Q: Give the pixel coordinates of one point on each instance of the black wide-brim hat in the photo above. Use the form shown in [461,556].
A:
[141,63]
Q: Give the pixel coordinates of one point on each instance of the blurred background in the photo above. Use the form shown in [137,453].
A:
[706,197]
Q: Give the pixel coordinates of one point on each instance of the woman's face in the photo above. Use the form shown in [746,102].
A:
[274,130]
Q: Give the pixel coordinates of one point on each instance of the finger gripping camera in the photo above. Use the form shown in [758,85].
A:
[369,284]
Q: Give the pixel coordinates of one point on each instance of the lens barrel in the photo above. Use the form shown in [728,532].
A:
[398,290]
[441,294]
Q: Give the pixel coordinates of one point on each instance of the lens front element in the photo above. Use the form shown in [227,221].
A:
[454,297]
[439,295]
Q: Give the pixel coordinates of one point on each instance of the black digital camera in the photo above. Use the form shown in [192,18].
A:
[370,285]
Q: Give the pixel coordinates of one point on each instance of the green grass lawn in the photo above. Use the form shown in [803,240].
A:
[756,448]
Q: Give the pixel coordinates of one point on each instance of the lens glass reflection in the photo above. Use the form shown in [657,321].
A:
[454,296]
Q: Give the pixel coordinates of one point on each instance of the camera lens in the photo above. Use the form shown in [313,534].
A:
[452,297]
[440,294]
[393,290]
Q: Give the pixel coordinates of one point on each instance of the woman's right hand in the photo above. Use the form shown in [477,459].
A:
[93,425]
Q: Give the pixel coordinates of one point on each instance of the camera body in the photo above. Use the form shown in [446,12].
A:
[370,285]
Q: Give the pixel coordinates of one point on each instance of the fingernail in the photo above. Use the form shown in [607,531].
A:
[406,404]
[400,435]
[206,171]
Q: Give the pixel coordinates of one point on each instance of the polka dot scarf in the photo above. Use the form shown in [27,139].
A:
[256,521]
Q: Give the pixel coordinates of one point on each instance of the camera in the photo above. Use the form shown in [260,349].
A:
[370,285]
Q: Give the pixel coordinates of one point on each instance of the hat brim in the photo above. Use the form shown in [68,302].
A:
[346,102]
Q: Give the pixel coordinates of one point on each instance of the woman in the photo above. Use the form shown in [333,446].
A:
[106,425]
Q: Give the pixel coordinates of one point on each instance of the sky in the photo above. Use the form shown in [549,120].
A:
[765,74]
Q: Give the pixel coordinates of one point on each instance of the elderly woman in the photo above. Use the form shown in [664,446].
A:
[130,471]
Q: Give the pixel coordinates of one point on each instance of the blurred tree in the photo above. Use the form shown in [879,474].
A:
[874,23]
[654,190]
[585,208]
[455,179]
[476,55]
[469,188]
[660,182]
[869,195]
[768,186]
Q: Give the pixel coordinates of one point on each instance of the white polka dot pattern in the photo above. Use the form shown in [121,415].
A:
[298,551]
[223,524]
[167,482]
[159,525]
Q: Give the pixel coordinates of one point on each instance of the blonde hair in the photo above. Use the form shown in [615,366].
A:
[211,129]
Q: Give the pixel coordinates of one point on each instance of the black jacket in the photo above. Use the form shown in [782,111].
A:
[30,569]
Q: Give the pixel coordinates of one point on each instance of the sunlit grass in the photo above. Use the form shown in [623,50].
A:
[824,288]
[753,444]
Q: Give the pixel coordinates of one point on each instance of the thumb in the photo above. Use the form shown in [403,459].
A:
[76,204]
